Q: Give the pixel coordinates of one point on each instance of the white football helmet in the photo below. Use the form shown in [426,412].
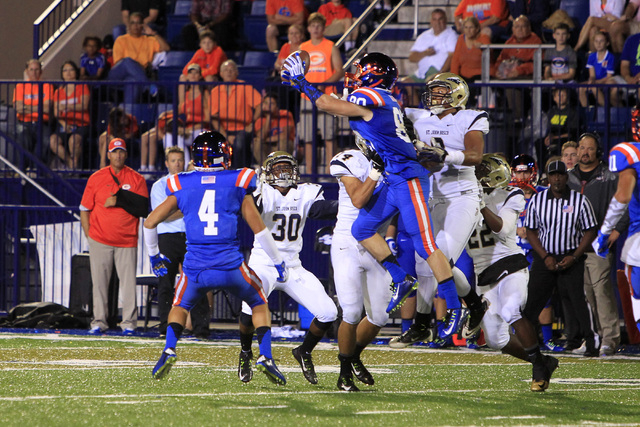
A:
[455,96]
[280,169]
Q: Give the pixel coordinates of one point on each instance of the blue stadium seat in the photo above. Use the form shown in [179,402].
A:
[174,27]
[258,7]
[173,65]
[255,28]
[576,9]
[145,113]
[183,7]
[619,119]
[256,76]
[259,59]
[236,55]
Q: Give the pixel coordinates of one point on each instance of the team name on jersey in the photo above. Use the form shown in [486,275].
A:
[286,208]
[436,132]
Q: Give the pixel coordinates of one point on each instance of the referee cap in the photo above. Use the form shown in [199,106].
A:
[557,166]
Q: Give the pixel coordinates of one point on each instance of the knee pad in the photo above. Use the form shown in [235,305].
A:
[246,320]
[323,326]
[378,319]
[352,314]
[496,336]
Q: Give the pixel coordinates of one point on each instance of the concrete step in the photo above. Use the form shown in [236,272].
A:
[406,13]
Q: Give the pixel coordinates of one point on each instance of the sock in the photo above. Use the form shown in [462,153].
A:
[394,269]
[533,355]
[472,299]
[310,342]
[345,365]
[264,341]
[447,290]
[174,330]
[358,351]
[152,168]
[547,332]
[144,168]
[245,341]
[406,324]
[422,320]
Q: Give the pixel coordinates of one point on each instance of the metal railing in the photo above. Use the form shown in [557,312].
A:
[54,21]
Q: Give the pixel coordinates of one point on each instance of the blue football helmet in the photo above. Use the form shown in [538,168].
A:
[210,150]
[373,70]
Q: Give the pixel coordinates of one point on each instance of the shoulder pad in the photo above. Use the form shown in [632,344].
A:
[623,156]
[245,177]
[366,97]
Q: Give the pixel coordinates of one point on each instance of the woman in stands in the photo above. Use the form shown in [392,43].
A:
[295,34]
[71,109]
[467,57]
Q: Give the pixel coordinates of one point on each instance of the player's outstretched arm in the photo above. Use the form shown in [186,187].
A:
[162,212]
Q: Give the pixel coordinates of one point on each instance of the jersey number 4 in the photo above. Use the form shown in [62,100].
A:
[207,213]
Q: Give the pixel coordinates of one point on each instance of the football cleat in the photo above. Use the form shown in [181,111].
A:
[361,372]
[472,343]
[412,335]
[167,360]
[306,364]
[245,373]
[345,383]
[472,325]
[401,291]
[440,343]
[549,345]
[452,322]
[542,374]
[269,368]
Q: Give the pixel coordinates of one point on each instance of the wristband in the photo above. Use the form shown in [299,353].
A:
[545,258]
[375,174]
[151,240]
[454,157]
[311,91]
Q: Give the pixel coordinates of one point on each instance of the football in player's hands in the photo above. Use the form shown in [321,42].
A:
[293,67]
[430,155]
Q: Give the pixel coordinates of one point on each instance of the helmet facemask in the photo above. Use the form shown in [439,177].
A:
[493,171]
[454,95]
[281,170]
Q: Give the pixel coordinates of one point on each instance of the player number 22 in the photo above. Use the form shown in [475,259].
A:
[207,213]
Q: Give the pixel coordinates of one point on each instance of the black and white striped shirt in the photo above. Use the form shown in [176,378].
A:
[561,222]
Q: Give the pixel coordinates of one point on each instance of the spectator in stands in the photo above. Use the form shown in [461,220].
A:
[569,154]
[602,13]
[629,61]
[564,122]
[339,20]
[517,63]
[601,65]
[560,63]
[493,16]
[26,100]
[467,57]
[71,109]
[432,51]
[152,12]
[195,105]
[209,15]
[295,34]
[209,57]
[232,107]
[536,11]
[150,140]
[628,24]
[107,50]
[93,65]
[273,129]
[326,67]
[280,15]
[135,55]
[112,203]
[119,125]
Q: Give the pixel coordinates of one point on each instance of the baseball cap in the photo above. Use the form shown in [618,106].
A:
[557,166]
[117,144]
[194,66]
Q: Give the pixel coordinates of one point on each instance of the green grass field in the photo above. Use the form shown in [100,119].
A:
[58,380]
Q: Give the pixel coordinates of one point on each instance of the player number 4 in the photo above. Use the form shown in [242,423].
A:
[207,213]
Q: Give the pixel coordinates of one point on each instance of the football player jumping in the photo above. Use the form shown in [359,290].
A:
[285,205]
[503,273]
[376,117]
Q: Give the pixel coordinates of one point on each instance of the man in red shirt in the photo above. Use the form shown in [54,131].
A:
[281,14]
[114,199]
[339,19]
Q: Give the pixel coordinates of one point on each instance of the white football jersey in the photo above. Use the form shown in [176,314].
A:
[285,217]
[348,163]
[451,130]
[487,247]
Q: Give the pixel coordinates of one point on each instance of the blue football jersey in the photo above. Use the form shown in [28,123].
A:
[211,204]
[386,131]
[626,155]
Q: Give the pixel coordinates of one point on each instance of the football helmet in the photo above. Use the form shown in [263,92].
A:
[280,169]
[373,70]
[455,96]
[493,171]
[524,163]
[211,151]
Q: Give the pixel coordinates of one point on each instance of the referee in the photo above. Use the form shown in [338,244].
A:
[560,226]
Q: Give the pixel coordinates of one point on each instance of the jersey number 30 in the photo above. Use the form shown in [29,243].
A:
[207,213]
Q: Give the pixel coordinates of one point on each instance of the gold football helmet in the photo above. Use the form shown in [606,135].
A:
[455,95]
[280,169]
[493,171]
